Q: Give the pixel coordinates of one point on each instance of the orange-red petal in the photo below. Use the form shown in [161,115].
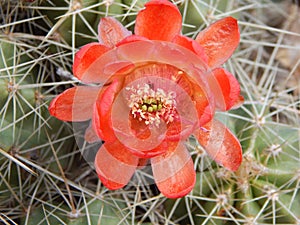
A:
[140,52]
[90,135]
[140,139]
[130,39]
[111,31]
[161,20]
[142,163]
[145,153]
[220,144]
[204,105]
[74,104]
[191,45]
[115,165]
[230,89]
[104,68]
[84,58]
[174,172]
[144,141]
[102,123]
[219,40]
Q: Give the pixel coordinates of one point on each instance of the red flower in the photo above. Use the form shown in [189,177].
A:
[156,88]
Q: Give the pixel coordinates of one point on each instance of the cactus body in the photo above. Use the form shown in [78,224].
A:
[45,180]
[97,211]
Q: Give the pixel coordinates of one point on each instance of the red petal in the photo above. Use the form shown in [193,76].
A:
[174,132]
[90,135]
[74,104]
[142,163]
[85,57]
[238,102]
[165,53]
[181,129]
[130,39]
[161,20]
[145,141]
[204,105]
[220,144]
[230,89]
[102,123]
[146,153]
[163,76]
[106,67]
[174,172]
[111,31]
[115,165]
[220,40]
[191,45]
[140,139]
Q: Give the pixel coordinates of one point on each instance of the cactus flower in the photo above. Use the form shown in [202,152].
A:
[151,91]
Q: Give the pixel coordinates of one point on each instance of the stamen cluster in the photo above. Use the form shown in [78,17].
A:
[151,105]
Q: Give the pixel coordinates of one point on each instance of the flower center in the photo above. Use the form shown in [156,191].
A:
[152,106]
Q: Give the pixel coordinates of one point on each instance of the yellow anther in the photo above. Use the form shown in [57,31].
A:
[144,107]
[154,107]
[150,109]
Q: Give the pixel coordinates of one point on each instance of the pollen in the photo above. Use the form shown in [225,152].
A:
[152,105]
